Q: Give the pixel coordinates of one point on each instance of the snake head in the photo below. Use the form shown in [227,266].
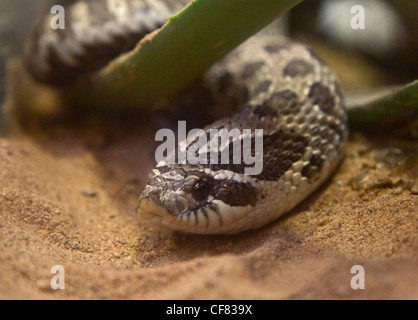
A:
[195,199]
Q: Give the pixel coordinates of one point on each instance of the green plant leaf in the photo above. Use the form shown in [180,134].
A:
[386,109]
[171,58]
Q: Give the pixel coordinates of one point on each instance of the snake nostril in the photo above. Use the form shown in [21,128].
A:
[153,194]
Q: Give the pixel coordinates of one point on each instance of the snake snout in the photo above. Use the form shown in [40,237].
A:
[162,203]
[150,211]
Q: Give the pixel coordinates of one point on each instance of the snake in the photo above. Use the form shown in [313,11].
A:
[274,83]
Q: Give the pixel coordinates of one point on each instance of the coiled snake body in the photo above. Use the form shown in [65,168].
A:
[279,85]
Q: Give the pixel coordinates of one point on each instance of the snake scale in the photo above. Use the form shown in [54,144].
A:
[278,85]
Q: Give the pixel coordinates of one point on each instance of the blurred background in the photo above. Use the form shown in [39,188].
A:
[383,53]
[16,19]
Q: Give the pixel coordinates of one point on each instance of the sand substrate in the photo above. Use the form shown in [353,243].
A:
[69,198]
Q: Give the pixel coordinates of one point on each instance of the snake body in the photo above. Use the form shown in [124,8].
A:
[277,85]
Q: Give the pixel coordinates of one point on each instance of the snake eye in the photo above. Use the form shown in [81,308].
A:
[200,190]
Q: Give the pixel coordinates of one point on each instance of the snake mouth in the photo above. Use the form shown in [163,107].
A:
[150,211]
[197,223]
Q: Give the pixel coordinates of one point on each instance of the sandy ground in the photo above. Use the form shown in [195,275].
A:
[68,197]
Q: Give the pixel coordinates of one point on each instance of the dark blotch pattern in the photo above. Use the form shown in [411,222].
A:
[280,150]
[225,81]
[322,96]
[95,56]
[273,48]
[235,193]
[286,101]
[263,87]
[298,68]
[251,68]
[317,160]
[265,110]
[338,129]
[311,172]
[312,169]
